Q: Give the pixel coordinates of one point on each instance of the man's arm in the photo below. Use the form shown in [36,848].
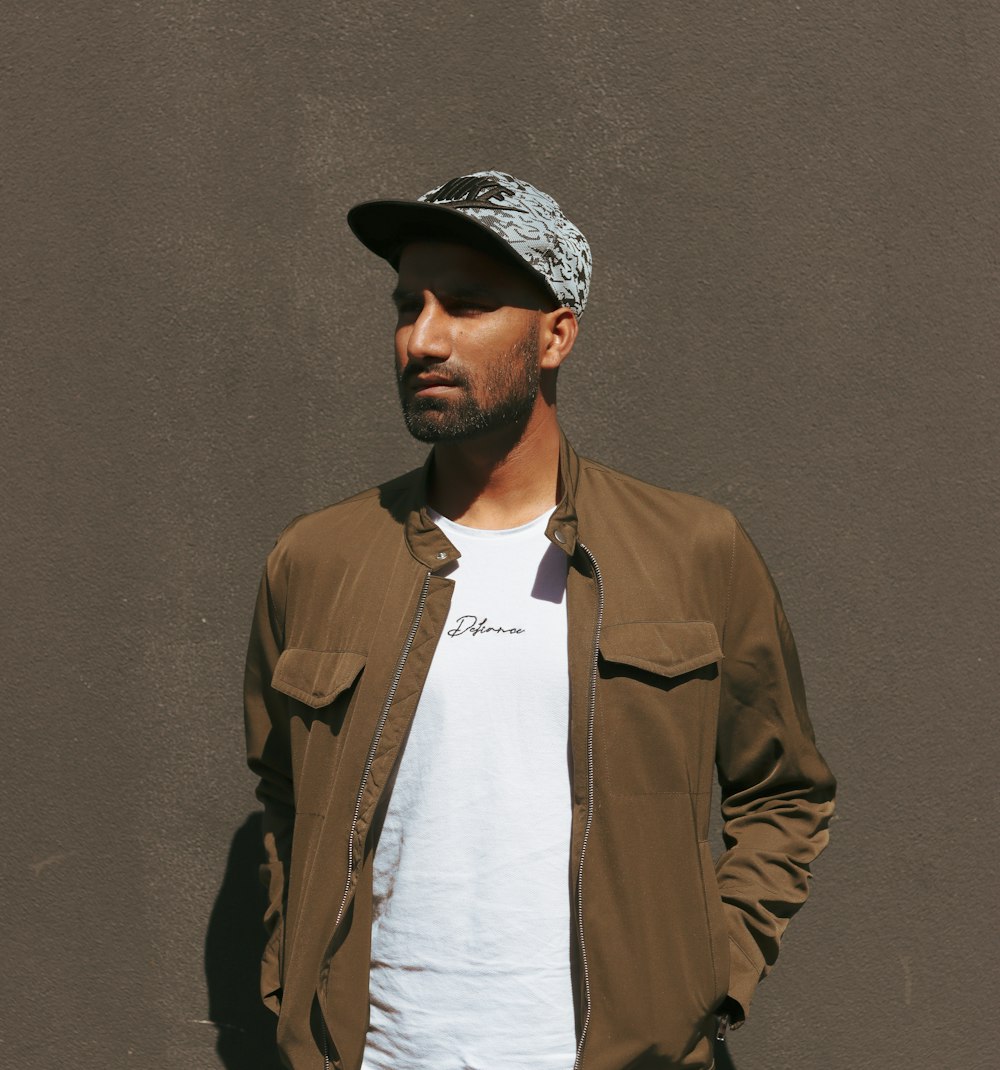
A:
[777,792]
[268,755]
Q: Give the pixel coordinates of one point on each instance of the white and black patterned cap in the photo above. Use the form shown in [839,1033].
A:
[495,212]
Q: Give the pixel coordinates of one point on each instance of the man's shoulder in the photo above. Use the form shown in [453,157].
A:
[649,503]
[352,520]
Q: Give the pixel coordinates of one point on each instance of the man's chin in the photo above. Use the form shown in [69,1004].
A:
[426,428]
[433,420]
[436,421]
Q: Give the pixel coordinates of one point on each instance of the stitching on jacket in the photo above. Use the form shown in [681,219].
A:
[638,794]
[707,911]
[739,948]
[328,650]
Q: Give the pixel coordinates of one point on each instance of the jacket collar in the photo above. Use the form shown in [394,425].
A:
[428,543]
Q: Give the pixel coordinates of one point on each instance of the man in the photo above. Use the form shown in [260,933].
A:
[486,701]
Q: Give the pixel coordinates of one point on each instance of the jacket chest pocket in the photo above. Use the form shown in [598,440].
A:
[321,687]
[657,691]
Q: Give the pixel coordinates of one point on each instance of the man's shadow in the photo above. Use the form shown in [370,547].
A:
[234,944]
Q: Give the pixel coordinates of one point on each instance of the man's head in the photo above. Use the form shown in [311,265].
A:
[492,277]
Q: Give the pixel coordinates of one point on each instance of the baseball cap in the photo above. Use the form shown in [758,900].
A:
[494,212]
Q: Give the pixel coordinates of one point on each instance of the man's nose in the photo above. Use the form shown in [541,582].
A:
[429,336]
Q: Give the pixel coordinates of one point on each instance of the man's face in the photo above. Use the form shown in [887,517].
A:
[466,342]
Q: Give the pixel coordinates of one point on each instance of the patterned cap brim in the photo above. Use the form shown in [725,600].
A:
[386,226]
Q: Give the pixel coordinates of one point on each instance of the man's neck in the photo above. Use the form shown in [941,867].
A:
[498,481]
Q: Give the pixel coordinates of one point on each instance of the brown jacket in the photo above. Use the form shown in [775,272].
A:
[681,663]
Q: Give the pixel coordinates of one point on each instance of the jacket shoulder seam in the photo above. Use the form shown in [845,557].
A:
[729,582]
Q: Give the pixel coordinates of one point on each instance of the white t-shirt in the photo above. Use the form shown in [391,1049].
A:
[470,964]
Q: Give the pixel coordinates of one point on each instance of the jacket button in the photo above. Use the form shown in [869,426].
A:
[441,555]
[558,535]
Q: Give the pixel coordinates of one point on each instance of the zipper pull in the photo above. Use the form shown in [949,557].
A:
[720,1032]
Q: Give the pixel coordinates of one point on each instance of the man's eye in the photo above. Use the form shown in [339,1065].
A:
[467,306]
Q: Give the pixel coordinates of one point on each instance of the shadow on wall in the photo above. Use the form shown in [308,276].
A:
[234,944]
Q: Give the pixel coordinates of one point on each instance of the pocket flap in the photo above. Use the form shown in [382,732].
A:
[666,647]
[316,677]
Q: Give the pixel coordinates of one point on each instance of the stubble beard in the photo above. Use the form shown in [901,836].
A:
[509,390]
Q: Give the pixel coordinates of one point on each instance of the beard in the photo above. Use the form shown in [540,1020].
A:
[501,396]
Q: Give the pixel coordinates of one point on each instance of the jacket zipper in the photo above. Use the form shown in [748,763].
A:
[578,1062]
[400,664]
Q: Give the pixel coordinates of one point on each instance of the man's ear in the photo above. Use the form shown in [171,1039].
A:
[557,334]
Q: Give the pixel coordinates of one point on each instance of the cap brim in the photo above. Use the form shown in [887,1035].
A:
[386,226]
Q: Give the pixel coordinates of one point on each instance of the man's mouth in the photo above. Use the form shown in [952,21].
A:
[429,385]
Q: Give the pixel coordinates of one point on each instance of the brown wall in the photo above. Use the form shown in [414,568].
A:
[794,216]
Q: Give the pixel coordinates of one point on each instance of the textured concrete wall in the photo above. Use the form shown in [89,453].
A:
[794,216]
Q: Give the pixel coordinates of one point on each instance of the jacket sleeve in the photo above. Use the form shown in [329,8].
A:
[268,755]
[777,792]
